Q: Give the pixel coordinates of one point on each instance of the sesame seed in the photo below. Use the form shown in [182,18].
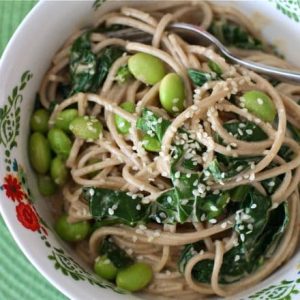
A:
[212,221]
[138,207]
[250,226]
[237,258]
[252,177]
[224,225]
[129,251]
[253,206]
[177,174]
[239,168]
[142,227]
[150,239]
[260,101]
[249,131]
[242,237]
[271,183]
[110,211]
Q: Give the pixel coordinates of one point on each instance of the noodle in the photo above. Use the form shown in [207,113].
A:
[120,162]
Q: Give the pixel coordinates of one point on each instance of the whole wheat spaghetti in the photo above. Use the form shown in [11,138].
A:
[219,202]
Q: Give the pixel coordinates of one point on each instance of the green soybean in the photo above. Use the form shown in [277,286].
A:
[122,125]
[105,268]
[39,153]
[46,185]
[64,118]
[60,143]
[59,171]
[135,277]
[260,105]
[39,120]
[85,127]
[172,93]
[72,232]
[146,68]
[151,143]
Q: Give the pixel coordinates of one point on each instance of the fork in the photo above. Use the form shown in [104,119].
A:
[196,34]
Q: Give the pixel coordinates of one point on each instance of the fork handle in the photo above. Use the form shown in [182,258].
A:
[278,73]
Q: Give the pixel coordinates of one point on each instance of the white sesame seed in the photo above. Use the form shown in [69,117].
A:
[237,258]
[242,237]
[252,177]
[212,221]
[224,225]
[260,101]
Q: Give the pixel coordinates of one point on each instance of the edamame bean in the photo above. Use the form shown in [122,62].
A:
[85,127]
[151,143]
[39,153]
[135,277]
[39,120]
[260,105]
[146,68]
[59,142]
[105,268]
[172,93]
[46,185]
[72,232]
[59,171]
[122,125]
[64,118]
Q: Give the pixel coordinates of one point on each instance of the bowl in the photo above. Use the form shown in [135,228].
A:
[24,210]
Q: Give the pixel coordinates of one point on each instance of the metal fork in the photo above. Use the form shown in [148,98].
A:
[197,35]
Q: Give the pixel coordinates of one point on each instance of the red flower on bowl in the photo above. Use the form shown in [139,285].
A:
[13,188]
[27,216]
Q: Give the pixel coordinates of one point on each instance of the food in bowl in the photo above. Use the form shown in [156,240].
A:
[178,172]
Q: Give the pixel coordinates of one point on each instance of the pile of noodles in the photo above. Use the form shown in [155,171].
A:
[123,164]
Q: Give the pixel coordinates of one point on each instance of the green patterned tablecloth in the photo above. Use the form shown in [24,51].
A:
[18,278]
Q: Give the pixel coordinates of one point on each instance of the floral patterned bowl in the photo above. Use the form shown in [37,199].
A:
[27,215]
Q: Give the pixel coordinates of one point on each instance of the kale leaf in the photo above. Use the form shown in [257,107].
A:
[232,34]
[115,206]
[259,231]
[115,254]
[88,70]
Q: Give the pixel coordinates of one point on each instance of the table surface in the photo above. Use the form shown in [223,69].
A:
[19,279]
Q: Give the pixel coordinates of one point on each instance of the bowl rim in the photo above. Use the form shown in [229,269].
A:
[58,285]
[30,19]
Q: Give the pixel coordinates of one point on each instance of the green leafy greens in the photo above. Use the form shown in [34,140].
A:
[115,254]
[88,70]
[232,34]
[259,231]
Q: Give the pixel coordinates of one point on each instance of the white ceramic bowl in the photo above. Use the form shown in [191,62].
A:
[23,64]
